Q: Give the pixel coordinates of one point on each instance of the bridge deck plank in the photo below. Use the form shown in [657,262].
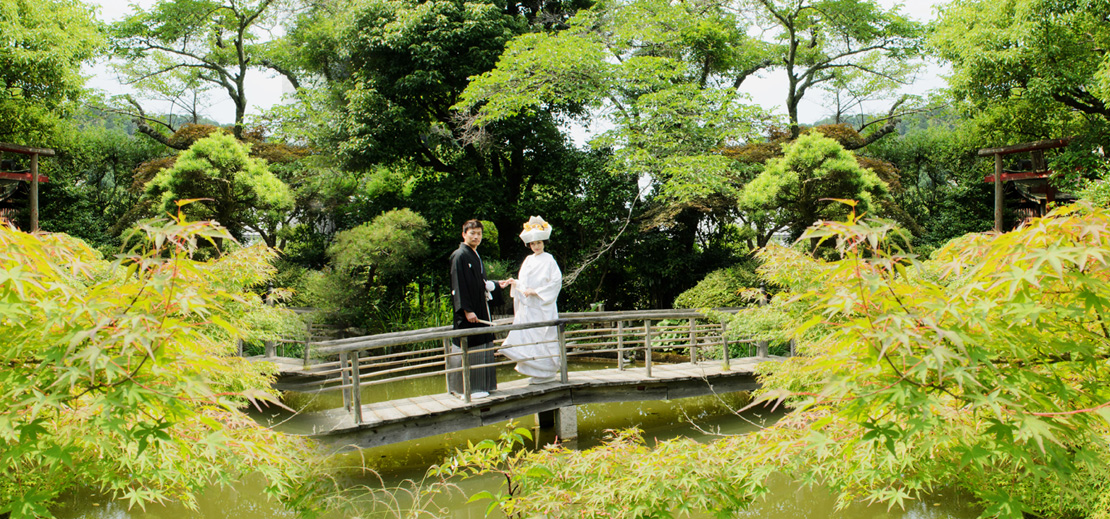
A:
[431,405]
[410,409]
[387,413]
[448,401]
[415,417]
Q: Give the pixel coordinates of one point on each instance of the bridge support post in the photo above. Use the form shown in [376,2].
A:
[564,420]
[346,380]
[563,376]
[356,390]
[308,338]
[464,342]
[447,363]
[647,347]
[725,366]
[620,345]
[693,341]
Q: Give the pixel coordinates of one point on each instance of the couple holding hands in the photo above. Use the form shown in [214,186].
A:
[534,292]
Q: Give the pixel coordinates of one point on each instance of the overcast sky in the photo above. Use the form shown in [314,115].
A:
[767,89]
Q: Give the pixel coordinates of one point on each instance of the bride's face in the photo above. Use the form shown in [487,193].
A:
[536,246]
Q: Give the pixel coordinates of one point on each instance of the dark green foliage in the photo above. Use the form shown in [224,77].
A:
[45,43]
[293,278]
[339,300]
[722,288]
[227,185]
[941,177]
[649,269]
[90,183]
[305,246]
[810,182]
[1077,163]
[409,62]
[383,251]
[370,267]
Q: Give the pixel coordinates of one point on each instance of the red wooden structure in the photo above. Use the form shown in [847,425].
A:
[32,175]
[1039,172]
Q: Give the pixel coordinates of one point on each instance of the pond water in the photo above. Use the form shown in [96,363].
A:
[700,418]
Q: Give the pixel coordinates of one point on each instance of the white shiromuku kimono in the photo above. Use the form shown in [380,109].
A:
[540,273]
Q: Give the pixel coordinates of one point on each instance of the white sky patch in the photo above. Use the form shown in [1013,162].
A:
[766,88]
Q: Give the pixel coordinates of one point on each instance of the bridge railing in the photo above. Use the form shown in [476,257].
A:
[353,364]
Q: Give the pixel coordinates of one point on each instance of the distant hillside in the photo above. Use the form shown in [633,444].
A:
[909,123]
[94,118]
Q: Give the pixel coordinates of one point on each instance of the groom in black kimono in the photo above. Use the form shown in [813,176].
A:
[472,294]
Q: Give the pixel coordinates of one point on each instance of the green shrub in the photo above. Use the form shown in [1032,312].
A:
[121,376]
[982,370]
[722,288]
[369,268]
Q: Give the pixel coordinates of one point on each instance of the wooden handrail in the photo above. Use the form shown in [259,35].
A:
[336,346]
[356,369]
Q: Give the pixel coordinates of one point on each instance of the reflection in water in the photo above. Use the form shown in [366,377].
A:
[243,500]
[399,465]
[789,500]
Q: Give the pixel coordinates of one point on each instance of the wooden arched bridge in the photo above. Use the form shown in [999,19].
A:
[654,355]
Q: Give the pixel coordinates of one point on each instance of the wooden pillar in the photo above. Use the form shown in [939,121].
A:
[345,379]
[447,363]
[620,345]
[34,154]
[307,341]
[563,375]
[34,192]
[464,343]
[725,365]
[647,346]
[356,391]
[998,192]
[693,341]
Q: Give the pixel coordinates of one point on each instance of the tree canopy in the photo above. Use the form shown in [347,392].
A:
[396,71]
[45,42]
[227,185]
[179,49]
[118,376]
[1031,70]
[1038,50]
[980,369]
[809,183]
[659,71]
[816,42]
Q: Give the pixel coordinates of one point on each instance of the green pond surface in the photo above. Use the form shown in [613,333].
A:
[699,418]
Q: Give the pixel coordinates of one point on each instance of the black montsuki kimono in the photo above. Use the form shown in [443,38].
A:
[468,293]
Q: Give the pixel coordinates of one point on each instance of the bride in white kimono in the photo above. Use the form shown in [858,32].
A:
[534,295]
